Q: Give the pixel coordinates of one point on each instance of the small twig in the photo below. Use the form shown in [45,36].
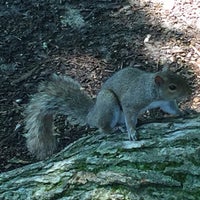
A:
[25,76]
[196,50]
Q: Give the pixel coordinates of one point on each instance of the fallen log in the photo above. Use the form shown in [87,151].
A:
[163,164]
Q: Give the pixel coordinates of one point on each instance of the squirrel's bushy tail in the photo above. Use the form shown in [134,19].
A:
[61,95]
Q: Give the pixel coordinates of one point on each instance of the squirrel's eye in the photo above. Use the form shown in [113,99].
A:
[172,87]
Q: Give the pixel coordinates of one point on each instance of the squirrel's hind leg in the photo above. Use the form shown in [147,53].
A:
[106,112]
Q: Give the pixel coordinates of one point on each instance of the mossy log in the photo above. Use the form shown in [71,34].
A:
[163,164]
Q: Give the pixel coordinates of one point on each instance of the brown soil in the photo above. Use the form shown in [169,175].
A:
[88,41]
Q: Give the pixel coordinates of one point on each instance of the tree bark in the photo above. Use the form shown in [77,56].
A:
[163,164]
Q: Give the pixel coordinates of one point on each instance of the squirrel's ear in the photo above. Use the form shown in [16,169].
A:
[159,80]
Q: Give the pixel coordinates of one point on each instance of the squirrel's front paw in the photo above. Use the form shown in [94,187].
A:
[133,135]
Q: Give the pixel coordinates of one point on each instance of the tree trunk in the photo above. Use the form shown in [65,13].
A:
[164,164]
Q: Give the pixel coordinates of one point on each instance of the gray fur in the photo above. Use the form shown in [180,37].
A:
[62,95]
[122,98]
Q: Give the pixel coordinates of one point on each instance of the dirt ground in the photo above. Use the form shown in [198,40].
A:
[88,41]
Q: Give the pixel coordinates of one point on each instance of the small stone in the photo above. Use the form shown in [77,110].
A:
[18,100]
[196,99]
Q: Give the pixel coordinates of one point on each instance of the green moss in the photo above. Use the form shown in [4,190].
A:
[179,177]
[149,166]
[81,164]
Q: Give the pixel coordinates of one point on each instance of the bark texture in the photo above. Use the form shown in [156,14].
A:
[164,164]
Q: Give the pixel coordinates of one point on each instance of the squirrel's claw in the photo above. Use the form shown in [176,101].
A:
[133,135]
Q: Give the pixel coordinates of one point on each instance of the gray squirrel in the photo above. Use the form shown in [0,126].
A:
[124,96]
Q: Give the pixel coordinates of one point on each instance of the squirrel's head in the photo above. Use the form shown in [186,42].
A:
[171,86]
